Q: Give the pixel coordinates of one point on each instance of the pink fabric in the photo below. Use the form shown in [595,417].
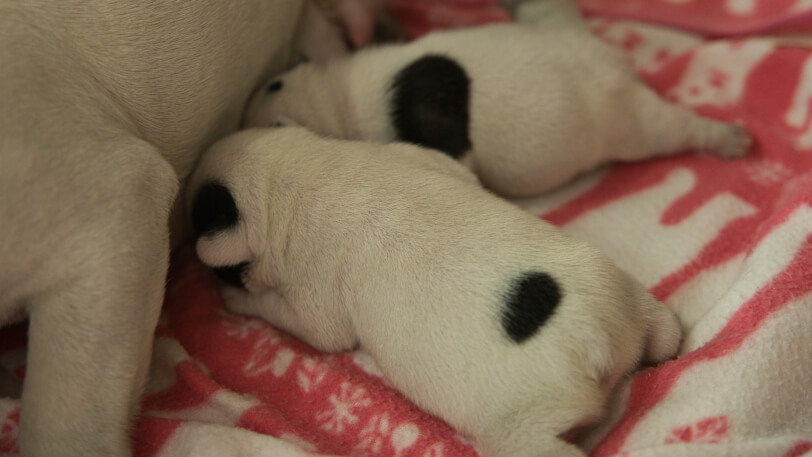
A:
[727,245]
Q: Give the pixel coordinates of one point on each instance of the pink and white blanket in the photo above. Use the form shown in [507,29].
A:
[727,245]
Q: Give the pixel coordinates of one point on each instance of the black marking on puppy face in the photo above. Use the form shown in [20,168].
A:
[531,300]
[430,105]
[275,86]
[214,209]
[232,274]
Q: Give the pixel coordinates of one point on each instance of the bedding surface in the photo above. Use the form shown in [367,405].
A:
[727,245]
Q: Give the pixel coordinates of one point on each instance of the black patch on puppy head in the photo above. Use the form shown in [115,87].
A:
[232,274]
[214,209]
[275,86]
[531,300]
[430,100]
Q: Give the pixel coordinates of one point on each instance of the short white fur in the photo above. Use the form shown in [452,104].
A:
[548,100]
[399,250]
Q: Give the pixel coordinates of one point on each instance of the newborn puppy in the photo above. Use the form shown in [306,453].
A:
[525,106]
[476,310]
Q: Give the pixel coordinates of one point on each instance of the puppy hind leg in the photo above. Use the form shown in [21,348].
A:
[663,334]
[531,444]
[552,446]
[322,328]
[666,129]
[540,428]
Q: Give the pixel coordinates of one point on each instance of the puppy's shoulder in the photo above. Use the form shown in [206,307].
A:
[418,158]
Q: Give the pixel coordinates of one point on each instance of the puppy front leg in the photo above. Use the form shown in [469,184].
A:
[269,305]
[91,329]
[307,319]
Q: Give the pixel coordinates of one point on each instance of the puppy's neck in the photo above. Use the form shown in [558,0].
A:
[324,97]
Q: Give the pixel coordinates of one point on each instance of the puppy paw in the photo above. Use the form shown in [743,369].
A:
[235,299]
[736,143]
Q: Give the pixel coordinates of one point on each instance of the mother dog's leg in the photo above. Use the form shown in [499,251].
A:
[99,296]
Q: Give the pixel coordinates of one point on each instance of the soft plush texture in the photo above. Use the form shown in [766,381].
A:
[728,245]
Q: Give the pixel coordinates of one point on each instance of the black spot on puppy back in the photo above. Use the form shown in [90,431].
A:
[430,99]
[214,209]
[531,300]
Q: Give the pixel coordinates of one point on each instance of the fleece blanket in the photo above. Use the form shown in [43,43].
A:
[727,245]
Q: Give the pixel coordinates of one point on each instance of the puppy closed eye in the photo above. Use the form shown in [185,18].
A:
[275,86]
[232,274]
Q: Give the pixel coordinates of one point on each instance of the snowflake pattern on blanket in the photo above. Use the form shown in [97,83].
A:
[727,245]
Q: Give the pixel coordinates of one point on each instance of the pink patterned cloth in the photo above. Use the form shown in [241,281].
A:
[727,245]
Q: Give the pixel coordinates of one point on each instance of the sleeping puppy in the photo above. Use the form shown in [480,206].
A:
[525,106]
[476,310]
[105,106]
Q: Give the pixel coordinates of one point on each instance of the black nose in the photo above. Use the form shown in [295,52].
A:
[232,274]
[214,209]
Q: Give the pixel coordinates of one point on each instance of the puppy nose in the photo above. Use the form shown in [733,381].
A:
[232,274]
[214,209]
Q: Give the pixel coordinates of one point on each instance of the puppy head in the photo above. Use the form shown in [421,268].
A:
[273,103]
[226,199]
[309,95]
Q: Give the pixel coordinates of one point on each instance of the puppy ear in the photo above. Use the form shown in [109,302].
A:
[219,225]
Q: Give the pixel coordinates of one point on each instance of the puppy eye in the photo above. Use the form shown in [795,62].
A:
[275,86]
[232,274]
[278,124]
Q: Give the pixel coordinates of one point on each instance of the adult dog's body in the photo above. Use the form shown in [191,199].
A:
[104,107]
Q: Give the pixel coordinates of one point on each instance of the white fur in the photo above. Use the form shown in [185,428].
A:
[399,250]
[104,107]
[548,101]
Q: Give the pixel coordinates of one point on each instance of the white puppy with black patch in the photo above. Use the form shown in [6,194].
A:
[479,312]
[526,106]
